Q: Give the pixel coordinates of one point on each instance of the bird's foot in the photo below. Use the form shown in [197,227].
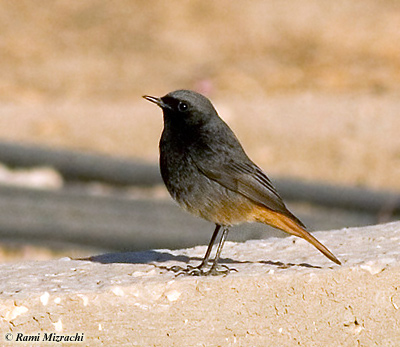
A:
[201,270]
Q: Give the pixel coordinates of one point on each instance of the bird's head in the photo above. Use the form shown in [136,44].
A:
[185,108]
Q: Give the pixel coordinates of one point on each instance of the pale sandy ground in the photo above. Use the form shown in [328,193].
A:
[109,51]
[285,293]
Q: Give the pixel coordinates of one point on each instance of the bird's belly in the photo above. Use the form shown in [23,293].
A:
[203,197]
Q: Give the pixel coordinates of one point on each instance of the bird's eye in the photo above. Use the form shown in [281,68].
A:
[183,106]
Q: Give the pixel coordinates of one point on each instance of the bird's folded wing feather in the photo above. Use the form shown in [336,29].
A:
[250,181]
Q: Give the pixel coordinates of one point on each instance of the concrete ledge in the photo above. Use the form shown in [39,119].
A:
[285,293]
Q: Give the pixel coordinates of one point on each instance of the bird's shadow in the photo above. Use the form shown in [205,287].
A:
[153,257]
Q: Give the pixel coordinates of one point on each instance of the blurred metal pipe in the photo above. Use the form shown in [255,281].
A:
[363,199]
[110,222]
[121,171]
[74,165]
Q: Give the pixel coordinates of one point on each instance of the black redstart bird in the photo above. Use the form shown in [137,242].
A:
[206,170]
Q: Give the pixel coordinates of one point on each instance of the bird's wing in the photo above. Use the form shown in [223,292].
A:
[250,181]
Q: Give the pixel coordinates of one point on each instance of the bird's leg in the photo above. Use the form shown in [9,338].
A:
[199,270]
[220,246]
[204,262]
[214,271]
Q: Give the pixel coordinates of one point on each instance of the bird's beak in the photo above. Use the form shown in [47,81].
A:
[155,100]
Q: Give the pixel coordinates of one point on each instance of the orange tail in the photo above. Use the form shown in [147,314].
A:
[282,222]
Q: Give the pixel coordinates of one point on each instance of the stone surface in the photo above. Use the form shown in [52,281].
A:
[284,293]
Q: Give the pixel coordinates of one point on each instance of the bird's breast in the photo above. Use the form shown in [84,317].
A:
[194,191]
[179,172]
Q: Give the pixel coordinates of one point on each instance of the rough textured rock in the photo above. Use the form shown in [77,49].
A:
[284,293]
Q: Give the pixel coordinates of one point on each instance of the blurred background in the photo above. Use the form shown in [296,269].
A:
[311,89]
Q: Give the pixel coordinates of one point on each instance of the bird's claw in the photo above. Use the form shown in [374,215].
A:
[201,270]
